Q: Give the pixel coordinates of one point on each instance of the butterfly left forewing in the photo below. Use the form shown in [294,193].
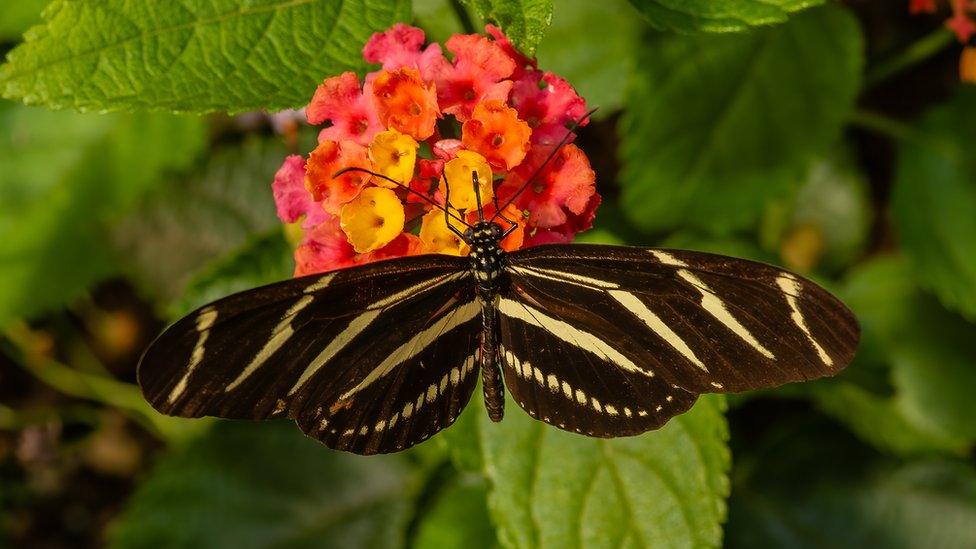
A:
[704,322]
[315,348]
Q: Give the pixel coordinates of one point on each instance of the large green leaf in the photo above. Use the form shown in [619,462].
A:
[18,16]
[458,517]
[524,21]
[717,15]
[198,219]
[927,354]
[934,203]
[65,179]
[595,67]
[550,488]
[718,125]
[231,55]
[266,485]
[809,485]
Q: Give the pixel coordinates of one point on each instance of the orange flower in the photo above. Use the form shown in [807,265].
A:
[405,102]
[328,158]
[496,132]
[373,219]
[967,65]
[458,174]
[437,238]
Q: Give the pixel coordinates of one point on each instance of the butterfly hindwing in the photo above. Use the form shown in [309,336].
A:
[298,347]
[704,322]
[561,374]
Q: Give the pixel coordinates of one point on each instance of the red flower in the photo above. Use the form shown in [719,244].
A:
[406,103]
[324,248]
[340,100]
[521,61]
[921,6]
[477,74]
[328,158]
[565,186]
[548,104]
[292,199]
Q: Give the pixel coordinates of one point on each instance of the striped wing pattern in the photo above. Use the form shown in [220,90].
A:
[357,357]
[645,330]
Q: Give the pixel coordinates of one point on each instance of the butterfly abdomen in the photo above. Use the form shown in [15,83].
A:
[491,376]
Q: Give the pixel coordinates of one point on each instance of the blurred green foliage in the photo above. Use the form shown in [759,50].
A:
[734,126]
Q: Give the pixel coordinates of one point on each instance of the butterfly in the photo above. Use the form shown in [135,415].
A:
[600,340]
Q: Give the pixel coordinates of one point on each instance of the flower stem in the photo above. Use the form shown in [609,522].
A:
[464,18]
[922,49]
[901,131]
[87,385]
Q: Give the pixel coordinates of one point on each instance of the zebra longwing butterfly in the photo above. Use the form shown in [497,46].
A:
[601,340]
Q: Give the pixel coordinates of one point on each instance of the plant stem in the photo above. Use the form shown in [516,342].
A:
[917,52]
[464,18]
[901,131]
[99,388]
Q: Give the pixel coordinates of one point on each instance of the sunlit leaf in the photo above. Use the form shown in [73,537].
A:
[230,55]
[524,21]
[717,15]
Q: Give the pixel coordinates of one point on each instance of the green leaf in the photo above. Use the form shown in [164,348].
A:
[717,15]
[595,67]
[231,55]
[18,16]
[934,201]
[550,488]
[717,126]
[524,21]
[199,219]
[458,518]
[66,178]
[261,261]
[929,355]
[265,485]
[809,485]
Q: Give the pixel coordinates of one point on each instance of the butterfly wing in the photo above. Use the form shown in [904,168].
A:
[672,319]
[369,359]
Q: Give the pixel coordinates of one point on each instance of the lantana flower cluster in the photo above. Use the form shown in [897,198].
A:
[426,121]
[962,22]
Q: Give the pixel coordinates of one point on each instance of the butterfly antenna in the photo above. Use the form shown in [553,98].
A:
[477,195]
[426,198]
[552,154]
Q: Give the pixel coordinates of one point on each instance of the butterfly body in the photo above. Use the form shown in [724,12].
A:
[488,268]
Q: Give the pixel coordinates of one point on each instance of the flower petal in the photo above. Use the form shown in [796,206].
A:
[548,104]
[373,219]
[340,100]
[394,155]
[496,132]
[325,248]
[328,158]
[437,238]
[458,175]
[405,102]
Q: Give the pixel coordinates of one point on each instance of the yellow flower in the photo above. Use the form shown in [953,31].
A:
[437,238]
[967,65]
[393,154]
[458,173]
[372,219]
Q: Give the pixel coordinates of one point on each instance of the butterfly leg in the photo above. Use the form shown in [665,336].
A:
[447,208]
[491,376]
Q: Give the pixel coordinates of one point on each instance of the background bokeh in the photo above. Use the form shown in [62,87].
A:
[835,140]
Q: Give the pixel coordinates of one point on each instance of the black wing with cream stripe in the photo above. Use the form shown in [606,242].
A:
[702,322]
[370,359]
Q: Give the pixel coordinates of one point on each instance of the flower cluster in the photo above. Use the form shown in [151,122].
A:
[426,122]
[962,22]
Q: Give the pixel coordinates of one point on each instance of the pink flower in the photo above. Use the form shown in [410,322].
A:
[324,248]
[478,73]
[961,21]
[292,199]
[401,46]
[548,104]
[340,100]
[565,186]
